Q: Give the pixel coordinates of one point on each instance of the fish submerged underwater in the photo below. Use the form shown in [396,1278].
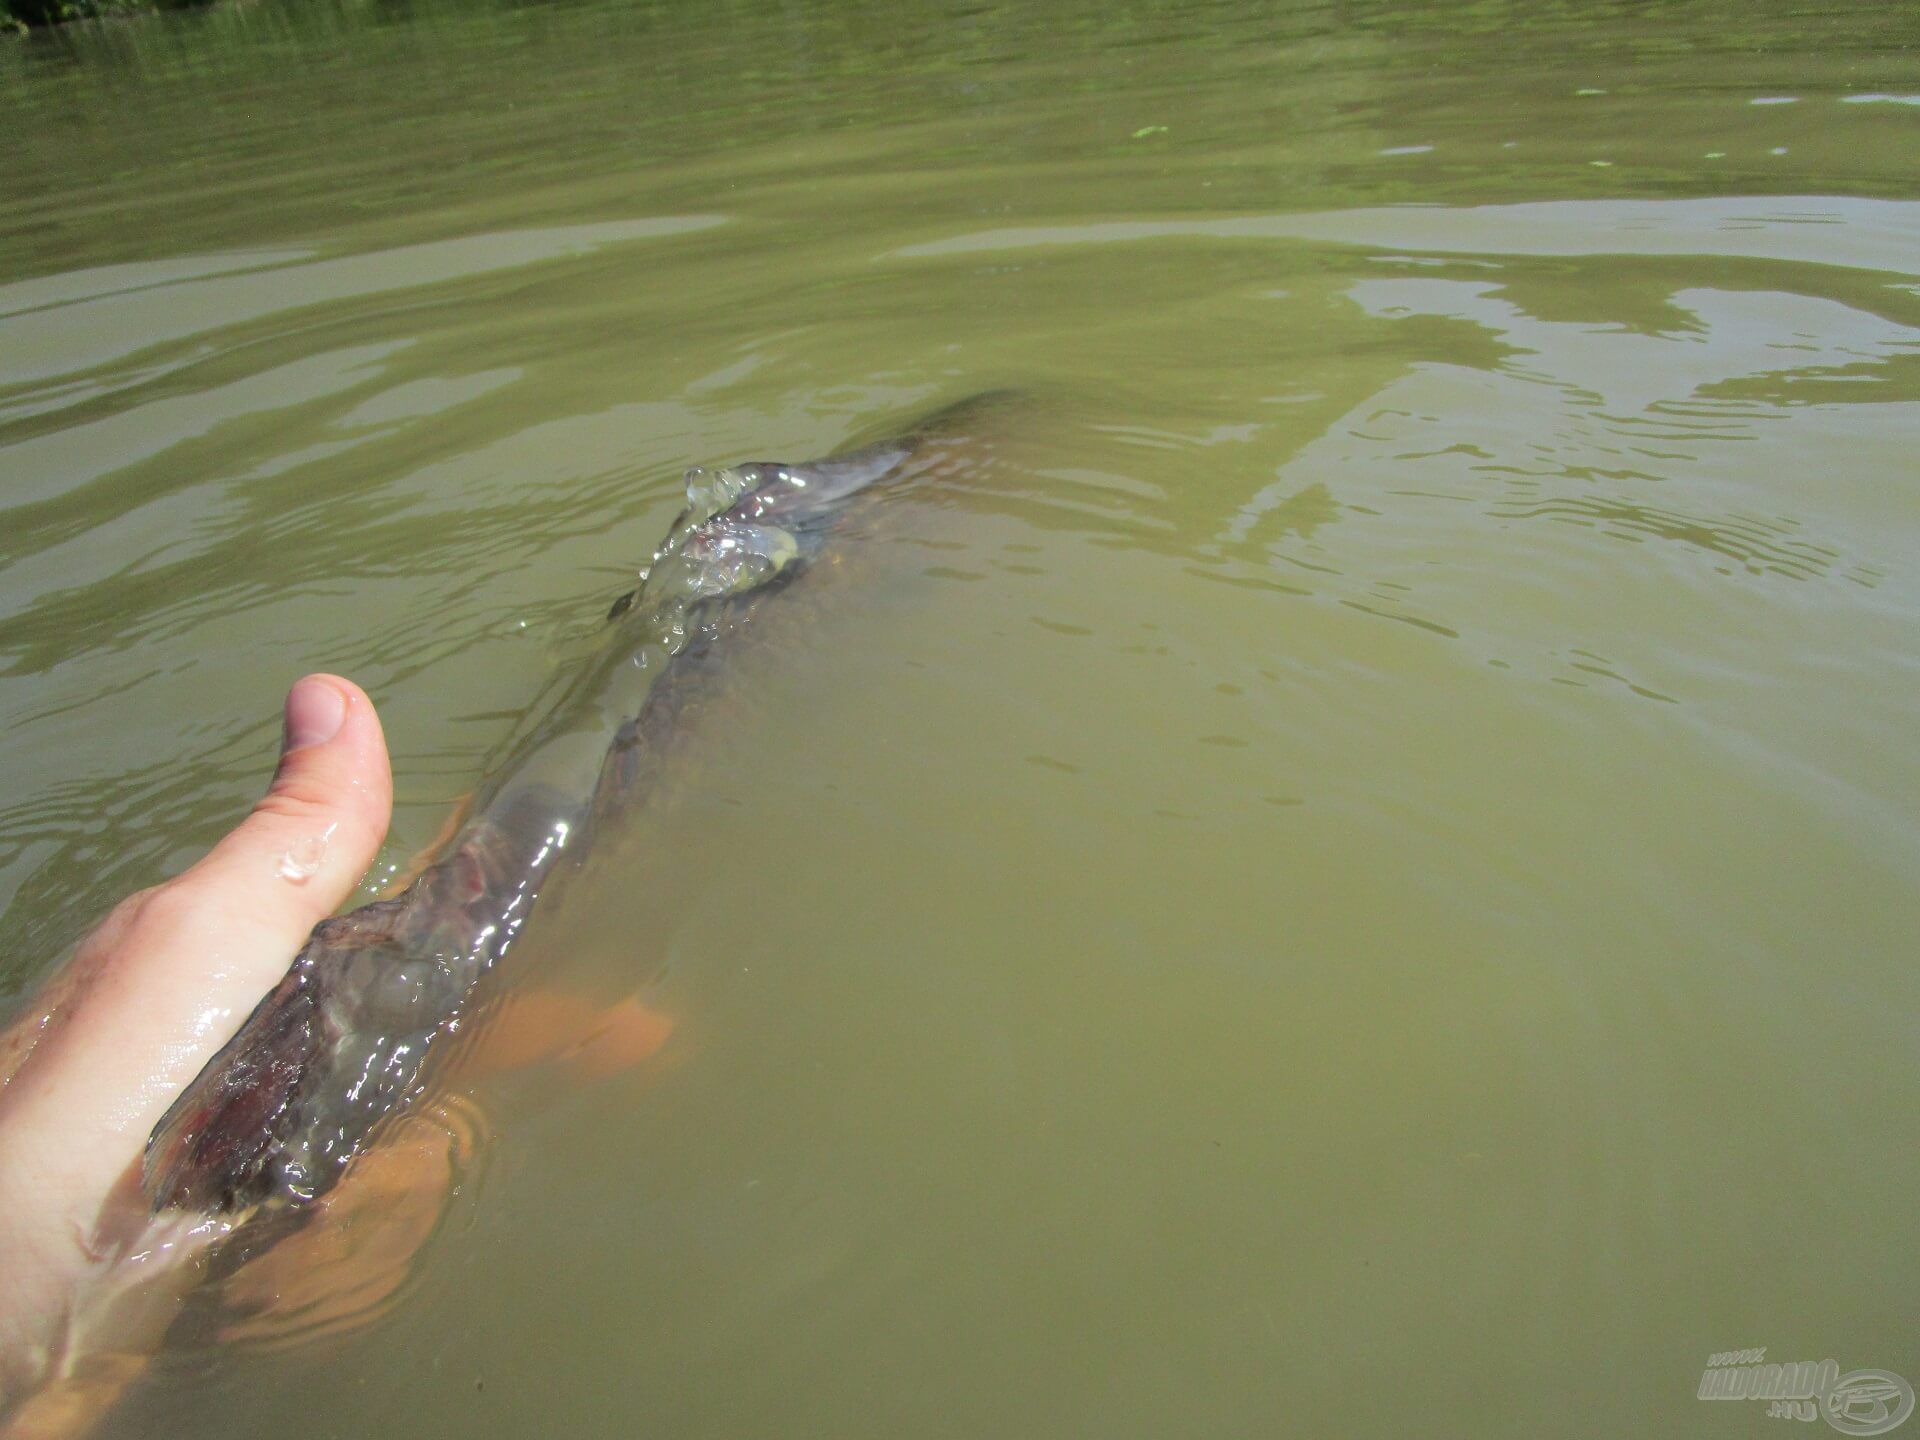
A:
[320,1083]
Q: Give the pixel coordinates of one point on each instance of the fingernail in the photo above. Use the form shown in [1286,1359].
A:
[315,713]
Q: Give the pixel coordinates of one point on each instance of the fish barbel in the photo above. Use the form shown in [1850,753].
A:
[343,1040]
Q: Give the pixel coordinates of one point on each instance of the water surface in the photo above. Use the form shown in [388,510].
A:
[1368,889]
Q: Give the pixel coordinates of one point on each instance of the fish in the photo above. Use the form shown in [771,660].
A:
[345,1042]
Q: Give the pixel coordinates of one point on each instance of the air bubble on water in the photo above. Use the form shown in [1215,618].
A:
[302,859]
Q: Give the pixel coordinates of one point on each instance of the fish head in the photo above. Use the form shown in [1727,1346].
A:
[745,525]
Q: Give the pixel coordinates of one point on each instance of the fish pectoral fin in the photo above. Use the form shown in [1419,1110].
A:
[416,866]
[75,1405]
[623,1037]
[533,1026]
[347,1264]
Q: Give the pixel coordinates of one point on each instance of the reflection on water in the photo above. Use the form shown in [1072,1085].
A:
[1582,421]
[1374,861]
[1820,230]
[90,330]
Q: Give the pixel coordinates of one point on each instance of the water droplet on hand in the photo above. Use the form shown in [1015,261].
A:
[302,860]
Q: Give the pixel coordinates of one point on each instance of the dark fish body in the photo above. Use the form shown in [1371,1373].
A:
[344,1039]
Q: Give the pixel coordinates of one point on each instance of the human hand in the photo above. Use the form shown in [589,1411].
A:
[151,995]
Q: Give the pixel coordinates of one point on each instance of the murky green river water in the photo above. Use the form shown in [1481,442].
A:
[1367,890]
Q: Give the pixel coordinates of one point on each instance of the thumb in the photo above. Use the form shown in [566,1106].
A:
[290,863]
